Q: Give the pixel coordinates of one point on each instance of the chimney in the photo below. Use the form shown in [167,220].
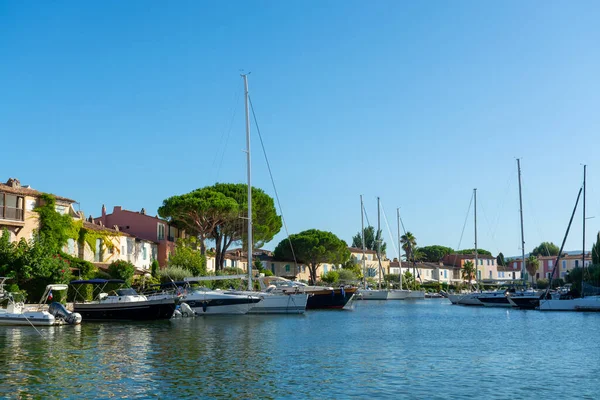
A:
[13,182]
[143,211]
[117,209]
[103,212]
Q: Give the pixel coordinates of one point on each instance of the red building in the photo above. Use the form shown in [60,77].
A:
[146,227]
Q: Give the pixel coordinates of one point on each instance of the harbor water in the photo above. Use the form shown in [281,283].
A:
[423,349]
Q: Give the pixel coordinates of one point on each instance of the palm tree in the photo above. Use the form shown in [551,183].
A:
[532,265]
[409,244]
[468,271]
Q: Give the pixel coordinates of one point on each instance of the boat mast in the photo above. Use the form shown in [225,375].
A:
[583,252]
[476,261]
[399,250]
[245,76]
[362,226]
[522,234]
[378,244]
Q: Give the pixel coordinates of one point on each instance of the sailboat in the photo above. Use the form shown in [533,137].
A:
[270,302]
[470,299]
[367,293]
[566,302]
[399,294]
[502,298]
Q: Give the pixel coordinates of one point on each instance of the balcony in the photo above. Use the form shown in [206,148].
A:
[12,213]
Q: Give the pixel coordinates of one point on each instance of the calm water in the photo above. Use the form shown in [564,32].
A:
[421,349]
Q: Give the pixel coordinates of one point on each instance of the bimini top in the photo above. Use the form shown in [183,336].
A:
[96,281]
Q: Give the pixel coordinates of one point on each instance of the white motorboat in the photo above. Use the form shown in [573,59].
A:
[465,299]
[204,301]
[16,313]
[587,303]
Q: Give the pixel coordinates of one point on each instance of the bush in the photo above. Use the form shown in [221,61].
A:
[186,256]
[330,277]
[154,268]
[121,269]
[346,275]
[173,273]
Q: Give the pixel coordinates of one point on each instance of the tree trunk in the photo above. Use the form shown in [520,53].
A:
[313,273]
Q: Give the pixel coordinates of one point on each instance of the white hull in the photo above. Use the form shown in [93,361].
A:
[416,294]
[232,309]
[590,303]
[212,302]
[278,303]
[398,294]
[373,294]
[37,318]
[467,299]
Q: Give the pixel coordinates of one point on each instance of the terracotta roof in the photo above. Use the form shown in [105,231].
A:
[357,250]
[100,228]
[25,191]
[394,264]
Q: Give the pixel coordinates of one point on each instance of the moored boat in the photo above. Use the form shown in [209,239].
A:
[121,303]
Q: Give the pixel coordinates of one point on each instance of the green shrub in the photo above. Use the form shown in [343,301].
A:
[330,277]
[173,273]
[121,269]
[346,275]
[154,268]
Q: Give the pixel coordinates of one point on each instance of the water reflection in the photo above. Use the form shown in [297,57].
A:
[397,349]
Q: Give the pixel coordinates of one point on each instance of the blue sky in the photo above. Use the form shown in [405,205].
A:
[127,103]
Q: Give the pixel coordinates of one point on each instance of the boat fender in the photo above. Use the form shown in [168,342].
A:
[204,306]
[343,292]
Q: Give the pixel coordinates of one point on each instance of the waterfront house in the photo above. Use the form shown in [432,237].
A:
[111,245]
[143,226]
[17,204]
[371,263]
[486,265]
[427,271]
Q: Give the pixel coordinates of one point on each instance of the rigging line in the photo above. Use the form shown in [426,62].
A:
[233,114]
[463,231]
[272,181]
[506,191]
[388,227]
[489,232]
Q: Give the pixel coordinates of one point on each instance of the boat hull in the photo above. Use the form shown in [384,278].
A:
[398,294]
[221,305]
[281,304]
[591,303]
[373,294]
[416,294]
[494,301]
[329,298]
[469,299]
[28,318]
[524,302]
[132,311]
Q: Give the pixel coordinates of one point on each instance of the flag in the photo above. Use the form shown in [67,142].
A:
[50,295]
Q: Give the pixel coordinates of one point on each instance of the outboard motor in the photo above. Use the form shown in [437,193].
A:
[186,310]
[59,311]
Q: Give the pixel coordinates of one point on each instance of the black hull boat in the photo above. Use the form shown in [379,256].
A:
[525,302]
[122,303]
[329,298]
[133,311]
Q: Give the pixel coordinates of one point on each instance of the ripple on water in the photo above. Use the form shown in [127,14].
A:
[419,349]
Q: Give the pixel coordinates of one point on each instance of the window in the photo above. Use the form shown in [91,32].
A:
[99,251]
[562,274]
[324,268]
[479,275]
[71,246]
[144,252]
[564,264]
[490,274]
[537,276]
[369,257]
[161,232]
[550,262]
[487,262]
[445,273]
[122,249]
[576,263]
[287,267]
[493,261]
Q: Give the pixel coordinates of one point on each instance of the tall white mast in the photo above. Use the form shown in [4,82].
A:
[399,249]
[476,261]
[245,76]
[362,226]
[522,234]
[378,245]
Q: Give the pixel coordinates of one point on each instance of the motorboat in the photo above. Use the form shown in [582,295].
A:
[120,303]
[465,299]
[204,301]
[17,313]
[433,295]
